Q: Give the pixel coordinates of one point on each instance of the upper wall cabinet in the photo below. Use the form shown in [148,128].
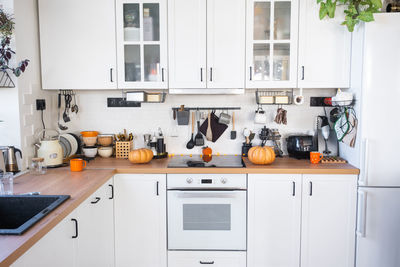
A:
[142,43]
[324,49]
[271,43]
[206,44]
[77,43]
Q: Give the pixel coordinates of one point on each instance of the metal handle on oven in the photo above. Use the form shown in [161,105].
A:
[206,262]
[206,195]
[361,213]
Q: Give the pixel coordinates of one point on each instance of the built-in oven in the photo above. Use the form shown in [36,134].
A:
[207,212]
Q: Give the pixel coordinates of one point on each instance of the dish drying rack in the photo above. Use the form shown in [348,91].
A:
[274,97]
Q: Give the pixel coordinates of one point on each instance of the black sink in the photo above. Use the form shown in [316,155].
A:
[19,213]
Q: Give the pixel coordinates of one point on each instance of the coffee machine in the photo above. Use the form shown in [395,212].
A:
[156,144]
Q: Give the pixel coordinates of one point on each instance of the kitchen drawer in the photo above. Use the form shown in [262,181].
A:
[206,258]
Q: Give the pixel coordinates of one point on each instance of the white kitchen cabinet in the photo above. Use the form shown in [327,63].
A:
[206,258]
[324,49]
[140,220]
[187,51]
[226,44]
[274,215]
[95,242]
[271,43]
[77,44]
[206,44]
[56,248]
[84,238]
[328,220]
[141,27]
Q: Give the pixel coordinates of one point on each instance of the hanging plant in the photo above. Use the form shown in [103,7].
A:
[6,29]
[355,10]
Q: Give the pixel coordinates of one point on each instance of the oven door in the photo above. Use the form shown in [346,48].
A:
[206,220]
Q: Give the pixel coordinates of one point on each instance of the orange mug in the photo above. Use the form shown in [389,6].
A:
[77,165]
[315,157]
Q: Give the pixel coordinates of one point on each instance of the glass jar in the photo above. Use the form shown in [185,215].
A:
[38,166]
[6,183]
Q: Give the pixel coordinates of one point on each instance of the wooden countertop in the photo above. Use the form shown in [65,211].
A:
[81,185]
[281,165]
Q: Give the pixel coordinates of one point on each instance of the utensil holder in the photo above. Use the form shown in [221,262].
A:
[183,117]
[122,149]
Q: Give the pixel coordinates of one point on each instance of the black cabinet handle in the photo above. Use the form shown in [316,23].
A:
[76,228]
[157,185]
[162,74]
[294,189]
[302,72]
[210,74]
[311,188]
[251,73]
[97,199]
[201,74]
[111,75]
[206,262]
[112,191]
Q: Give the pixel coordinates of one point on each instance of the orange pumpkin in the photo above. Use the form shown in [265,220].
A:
[142,155]
[261,155]
[207,151]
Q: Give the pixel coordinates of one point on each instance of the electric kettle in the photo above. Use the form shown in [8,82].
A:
[10,159]
[49,148]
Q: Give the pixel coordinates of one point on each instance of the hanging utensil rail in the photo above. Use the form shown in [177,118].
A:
[208,108]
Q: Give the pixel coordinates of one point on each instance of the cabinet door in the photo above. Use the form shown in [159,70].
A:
[274,212]
[187,44]
[95,241]
[142,43]
[56,248]
[328,220]
[226,43]
[324,49]
[77,43]
[140,220]
[206,258]
[271,46]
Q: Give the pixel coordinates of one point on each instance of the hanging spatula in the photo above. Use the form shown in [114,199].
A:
[233,132]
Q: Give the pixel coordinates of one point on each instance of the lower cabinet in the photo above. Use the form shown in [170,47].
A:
[84,238]
[140,220]
[206,258]
[306,221]
[274,215]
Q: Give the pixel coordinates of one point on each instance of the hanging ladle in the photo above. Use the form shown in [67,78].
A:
[191,143]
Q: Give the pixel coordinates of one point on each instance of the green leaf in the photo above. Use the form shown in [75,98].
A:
[322,11]
[319,1]
[366,16]
[377,3]
[331,8]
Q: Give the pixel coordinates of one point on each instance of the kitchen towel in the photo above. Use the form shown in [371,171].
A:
[217,128]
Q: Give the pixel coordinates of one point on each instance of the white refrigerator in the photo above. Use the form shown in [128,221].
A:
[376,85]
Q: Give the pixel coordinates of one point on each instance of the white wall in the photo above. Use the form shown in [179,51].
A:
[94,115]
[9,103]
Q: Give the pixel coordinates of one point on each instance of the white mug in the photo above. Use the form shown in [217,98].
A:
[260,117]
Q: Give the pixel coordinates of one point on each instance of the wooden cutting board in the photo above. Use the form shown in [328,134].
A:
[332,159]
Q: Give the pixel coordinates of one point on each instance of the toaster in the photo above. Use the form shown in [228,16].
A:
[300,146]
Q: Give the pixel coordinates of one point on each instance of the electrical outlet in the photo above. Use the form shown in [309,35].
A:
[122,103]
[40,104]
[318,102]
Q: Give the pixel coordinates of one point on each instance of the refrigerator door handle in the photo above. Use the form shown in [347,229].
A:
[361,213]
[365,163]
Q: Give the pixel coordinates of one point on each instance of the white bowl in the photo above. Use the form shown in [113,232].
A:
[105,152]
[90,152]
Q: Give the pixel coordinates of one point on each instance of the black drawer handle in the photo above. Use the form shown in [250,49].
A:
[95,201]
[206,262]
[76,228]
[311,188]
[112,191]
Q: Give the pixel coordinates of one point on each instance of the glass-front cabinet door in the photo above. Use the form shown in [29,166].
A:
[271,46]
[142,44]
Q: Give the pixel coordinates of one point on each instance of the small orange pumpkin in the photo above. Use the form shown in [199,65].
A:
[207,151]
[261,155]
[142,155]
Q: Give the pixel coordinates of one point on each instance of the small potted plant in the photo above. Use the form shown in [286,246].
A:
[6,53]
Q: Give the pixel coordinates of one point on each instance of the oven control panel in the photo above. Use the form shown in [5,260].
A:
[204,181]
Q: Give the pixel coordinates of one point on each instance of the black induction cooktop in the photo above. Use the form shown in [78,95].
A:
[197,161]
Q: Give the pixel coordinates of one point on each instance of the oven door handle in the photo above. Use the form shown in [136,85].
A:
[207,195]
